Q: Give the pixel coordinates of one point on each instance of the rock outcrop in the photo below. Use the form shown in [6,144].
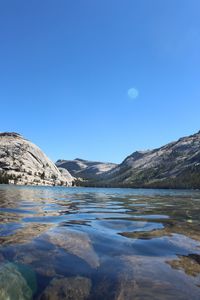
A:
[81,168]
[22,162]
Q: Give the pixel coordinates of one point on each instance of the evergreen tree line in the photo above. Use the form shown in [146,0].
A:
[4,178]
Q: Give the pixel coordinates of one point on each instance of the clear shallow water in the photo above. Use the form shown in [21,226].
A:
[127,244]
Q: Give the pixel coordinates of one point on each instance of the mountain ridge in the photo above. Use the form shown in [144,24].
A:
[82,168]
[174,165]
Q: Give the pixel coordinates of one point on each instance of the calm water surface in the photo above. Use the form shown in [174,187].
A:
[100,243]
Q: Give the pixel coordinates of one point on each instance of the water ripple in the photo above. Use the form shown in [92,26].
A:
[107,235]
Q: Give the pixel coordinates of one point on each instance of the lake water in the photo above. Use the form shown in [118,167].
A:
[87,243]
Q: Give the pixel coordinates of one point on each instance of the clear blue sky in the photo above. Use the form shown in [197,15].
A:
[66,67]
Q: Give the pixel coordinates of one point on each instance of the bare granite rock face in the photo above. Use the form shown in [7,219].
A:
[22,162]
[175,165]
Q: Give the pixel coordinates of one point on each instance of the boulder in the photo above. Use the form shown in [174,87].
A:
[13,286]
[75,242]
[72,288]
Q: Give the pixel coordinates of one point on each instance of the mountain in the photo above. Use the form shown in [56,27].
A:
[81,168]
[22,162]
[175,165]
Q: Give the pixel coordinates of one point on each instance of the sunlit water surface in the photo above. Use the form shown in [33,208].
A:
[118,243]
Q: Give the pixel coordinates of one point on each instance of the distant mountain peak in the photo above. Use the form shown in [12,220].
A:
[85,168]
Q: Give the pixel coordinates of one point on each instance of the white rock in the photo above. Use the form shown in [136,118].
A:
[25,163]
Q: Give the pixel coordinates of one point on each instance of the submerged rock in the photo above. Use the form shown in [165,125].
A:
[76,243]
[182,230]
[41,260]
[150,278]
[25,234]
[13,286]
[188,264]
[29,275]
[72,288]
[137,277]
[1,258]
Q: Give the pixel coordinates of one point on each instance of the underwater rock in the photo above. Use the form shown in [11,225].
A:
[12,284]
[186,263]
[1,258]
[40,260]
[25,234]
[72,288]
[149,278]
[46,271]
[29,275]
[76,243]
[189,230]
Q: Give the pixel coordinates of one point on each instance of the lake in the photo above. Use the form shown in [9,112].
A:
[95,243]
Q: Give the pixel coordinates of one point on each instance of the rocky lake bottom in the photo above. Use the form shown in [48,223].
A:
[110,244]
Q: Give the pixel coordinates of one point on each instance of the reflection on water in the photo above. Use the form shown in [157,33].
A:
[80,243]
